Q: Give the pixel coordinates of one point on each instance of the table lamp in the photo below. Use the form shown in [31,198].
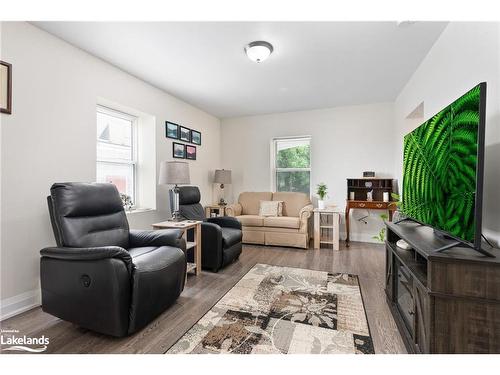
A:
[174,173]
[222,176]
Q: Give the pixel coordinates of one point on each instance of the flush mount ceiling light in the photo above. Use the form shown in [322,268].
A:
[258,51]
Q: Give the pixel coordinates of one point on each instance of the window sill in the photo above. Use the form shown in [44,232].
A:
[138,210]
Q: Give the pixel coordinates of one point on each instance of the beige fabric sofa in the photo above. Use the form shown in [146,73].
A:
[291,229]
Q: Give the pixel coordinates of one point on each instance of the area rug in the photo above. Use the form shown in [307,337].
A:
[283,310]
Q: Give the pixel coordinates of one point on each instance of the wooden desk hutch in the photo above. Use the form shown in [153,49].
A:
[359,187]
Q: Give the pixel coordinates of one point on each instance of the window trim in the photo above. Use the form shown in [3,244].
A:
[134,144]
[275,170]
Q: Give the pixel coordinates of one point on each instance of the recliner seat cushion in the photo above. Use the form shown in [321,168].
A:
[282,222]
[137,251]
[251,220]
[230,236]
[156,283]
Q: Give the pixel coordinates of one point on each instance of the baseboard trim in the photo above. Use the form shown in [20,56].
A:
[360,237]
[15,305]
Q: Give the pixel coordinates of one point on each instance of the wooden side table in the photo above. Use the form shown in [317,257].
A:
[326,227]
[196,245]
[216,209]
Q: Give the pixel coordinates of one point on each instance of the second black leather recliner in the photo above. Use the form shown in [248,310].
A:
[220,236]
[102,275]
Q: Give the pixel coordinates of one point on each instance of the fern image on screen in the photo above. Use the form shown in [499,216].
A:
[439,168]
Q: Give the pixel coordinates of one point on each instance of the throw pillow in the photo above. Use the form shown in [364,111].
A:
[268,208]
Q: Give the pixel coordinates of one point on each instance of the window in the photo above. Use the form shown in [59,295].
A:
[116,150]
[291,164]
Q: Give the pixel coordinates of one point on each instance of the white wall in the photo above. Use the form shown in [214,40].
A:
[345,142]
[51,137]
[464,55]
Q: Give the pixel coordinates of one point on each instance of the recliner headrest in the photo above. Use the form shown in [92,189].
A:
[74,199]
[189,195]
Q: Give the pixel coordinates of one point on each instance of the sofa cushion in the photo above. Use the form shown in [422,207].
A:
[250,201]
[269,208]
[282,222]
[230,236]
[292,202]
[251,220]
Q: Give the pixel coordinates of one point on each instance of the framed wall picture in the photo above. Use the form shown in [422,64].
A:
[195,137]
[5,87]
[178,150]
[171,130]
[185,134]
[190,152]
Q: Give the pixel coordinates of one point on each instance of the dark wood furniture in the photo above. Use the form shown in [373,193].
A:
[359,187]
[445,302]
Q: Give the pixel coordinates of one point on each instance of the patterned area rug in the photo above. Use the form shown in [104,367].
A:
[284,310]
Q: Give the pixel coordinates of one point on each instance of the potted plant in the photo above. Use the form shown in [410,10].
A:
[321,191]
[396,201]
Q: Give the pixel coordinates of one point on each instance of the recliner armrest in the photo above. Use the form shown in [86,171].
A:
[88,253]
[225,222]
[163,237]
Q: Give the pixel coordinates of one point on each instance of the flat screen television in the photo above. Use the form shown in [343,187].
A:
[443,166]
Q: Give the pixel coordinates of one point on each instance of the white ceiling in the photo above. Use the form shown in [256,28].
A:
[314,64]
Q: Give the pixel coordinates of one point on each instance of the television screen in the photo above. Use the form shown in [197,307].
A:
[443,169]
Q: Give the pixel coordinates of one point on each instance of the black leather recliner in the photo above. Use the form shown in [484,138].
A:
[220,236]
[103,276]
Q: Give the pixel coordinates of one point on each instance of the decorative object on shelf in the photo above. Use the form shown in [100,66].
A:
[171,130]
[386,196]
[369,174]
[321,191]
[368,184]
[184,134]
[5,87]
[127,201]
[402,244]
[178,150]
[222,176]
[190,152]
[351,195]
[195,137]
[174,173]
[369,195]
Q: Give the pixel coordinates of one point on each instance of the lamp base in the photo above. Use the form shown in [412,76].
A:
[176,216]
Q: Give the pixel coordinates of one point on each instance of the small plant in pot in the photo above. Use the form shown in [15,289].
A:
[321,191]
[396,201]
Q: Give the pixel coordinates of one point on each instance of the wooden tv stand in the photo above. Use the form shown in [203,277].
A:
[445,302]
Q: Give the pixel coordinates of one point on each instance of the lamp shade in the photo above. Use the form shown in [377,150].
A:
[222,176]
[174,173]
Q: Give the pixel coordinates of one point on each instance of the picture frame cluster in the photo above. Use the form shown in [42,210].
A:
[182,133]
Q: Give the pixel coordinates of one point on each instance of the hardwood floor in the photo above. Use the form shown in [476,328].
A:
[202,292]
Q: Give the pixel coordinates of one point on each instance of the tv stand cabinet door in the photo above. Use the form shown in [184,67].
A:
[421,318]
[389,273]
